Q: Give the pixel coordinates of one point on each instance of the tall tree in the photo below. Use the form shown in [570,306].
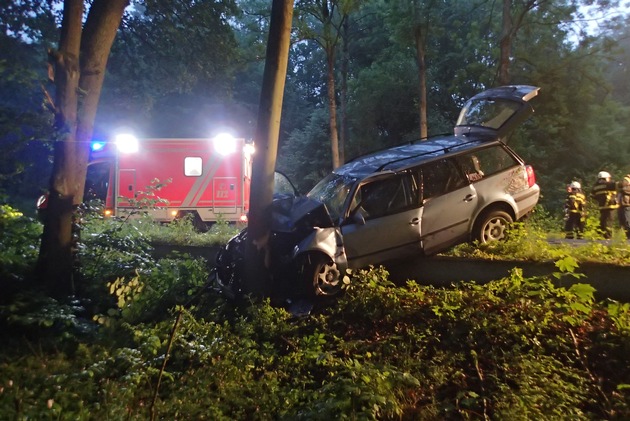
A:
[267,132]
[415,20]
[322,21]
[78,70]
[512,20]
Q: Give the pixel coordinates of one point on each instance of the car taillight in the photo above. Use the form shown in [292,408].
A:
[243,218]
[531,177]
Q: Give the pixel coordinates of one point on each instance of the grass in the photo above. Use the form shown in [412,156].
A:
[539,239]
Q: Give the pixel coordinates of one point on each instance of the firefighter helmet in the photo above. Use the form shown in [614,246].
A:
[603,174]
[575,185]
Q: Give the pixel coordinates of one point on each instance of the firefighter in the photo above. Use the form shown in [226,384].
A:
[605,194]
[574,211]
[624,202]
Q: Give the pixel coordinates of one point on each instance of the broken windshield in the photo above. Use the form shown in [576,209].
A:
[333,191]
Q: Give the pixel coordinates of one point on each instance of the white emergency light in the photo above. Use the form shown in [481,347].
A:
[126,143]
[249,149]
[224,144]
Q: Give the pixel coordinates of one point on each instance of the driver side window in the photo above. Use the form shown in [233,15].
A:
[387,196]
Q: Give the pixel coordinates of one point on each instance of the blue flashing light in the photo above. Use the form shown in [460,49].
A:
[97,145]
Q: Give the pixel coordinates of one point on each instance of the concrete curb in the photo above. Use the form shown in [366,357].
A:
[610,281]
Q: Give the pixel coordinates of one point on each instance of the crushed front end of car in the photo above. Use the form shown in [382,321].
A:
[306,256]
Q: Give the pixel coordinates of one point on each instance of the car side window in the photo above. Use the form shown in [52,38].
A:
[388,196]
[485,162]
[440,177]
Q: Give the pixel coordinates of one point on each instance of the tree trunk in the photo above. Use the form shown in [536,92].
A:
[264,163]
[55,256]
[98,37]
[420,40]
[506,43]
[78,87]
[343,98]
[332,106]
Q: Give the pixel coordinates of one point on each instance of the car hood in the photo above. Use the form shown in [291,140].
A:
[496,112]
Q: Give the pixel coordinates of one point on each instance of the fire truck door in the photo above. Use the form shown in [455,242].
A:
[126,186]
[225,194]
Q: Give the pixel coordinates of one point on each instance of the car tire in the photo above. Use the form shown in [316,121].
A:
[492,226]
[321,276]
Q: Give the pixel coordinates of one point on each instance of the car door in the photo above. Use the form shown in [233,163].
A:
[449,201]
[384,222]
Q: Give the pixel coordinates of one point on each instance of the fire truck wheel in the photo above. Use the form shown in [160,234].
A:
[321,275]
[197,223]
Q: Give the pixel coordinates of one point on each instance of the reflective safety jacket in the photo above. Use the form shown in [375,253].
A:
[605,194]
[575,201]
[624,191]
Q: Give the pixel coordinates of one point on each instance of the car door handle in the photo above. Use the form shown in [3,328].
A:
[469,197]
[414,221]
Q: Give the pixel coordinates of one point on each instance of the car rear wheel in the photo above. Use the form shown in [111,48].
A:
[492,226]
[321,275]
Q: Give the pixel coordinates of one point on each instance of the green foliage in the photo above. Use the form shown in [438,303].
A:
[149,198]
[516,348]
[535,240]
[111,248]
[18,245]
[144,296]
[182,231]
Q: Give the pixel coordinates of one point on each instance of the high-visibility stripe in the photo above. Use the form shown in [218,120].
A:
[209,169]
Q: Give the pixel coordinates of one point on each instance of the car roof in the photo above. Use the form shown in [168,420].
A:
[408,155]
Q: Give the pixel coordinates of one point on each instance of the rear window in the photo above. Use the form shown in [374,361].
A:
[440,177]
[486,162]
[487,113]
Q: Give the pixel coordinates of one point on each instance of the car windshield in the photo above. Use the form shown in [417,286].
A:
[332,191]
[491,113]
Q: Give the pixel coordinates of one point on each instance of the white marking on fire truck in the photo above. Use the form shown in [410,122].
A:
[201,184]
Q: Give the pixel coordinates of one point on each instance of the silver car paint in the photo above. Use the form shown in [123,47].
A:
[327,241]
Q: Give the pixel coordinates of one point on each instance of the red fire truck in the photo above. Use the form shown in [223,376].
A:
[208,178]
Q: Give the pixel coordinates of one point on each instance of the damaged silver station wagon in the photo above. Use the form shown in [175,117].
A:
[416,199]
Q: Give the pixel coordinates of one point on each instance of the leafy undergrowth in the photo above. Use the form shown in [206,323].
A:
[512,349]
[180,232]
[147,338]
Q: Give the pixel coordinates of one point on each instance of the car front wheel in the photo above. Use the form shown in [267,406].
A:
[492,226]
[321,275]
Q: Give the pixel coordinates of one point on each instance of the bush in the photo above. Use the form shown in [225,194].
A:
[164,346]
[19,245]
[512,349]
